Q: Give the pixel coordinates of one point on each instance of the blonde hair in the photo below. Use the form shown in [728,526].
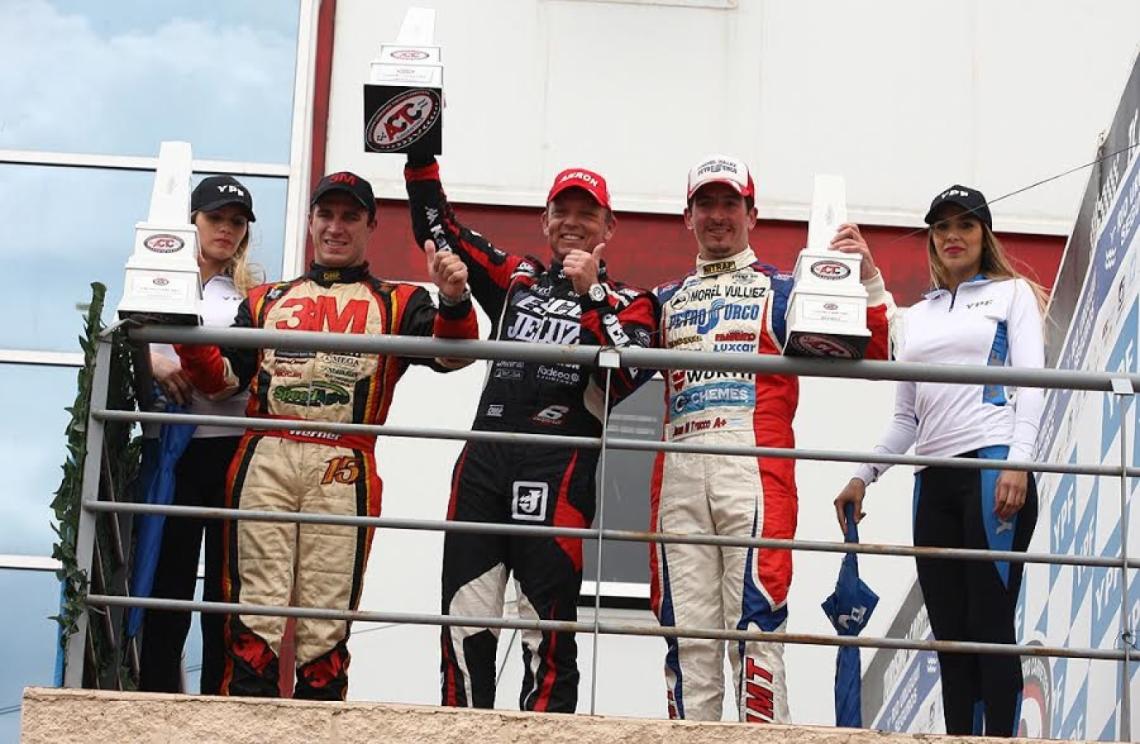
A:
[245,275]
[996,264]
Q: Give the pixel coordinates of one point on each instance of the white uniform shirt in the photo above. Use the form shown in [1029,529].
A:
[994,322]
[220,300]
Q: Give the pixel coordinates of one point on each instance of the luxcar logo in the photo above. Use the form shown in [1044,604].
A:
[403,120]
[163,243]
[830,270]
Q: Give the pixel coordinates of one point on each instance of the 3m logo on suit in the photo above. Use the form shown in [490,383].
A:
[323,314]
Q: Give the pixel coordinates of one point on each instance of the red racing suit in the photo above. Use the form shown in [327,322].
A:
[268,563]
[733,305]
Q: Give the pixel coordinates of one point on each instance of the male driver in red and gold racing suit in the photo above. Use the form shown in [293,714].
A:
[733,303]
[572,301]
[299,470]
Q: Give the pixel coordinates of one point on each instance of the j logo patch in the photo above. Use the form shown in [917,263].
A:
[529,502]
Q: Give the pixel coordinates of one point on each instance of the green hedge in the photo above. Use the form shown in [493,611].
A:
[121,459]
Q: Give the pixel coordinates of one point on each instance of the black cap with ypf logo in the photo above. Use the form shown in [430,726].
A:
[216,192]
[972,200]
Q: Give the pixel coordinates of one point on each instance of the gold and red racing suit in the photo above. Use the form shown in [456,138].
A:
[307,471]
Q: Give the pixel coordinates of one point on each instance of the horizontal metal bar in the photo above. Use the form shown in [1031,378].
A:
[630,629]
[15,562]
[821,455]
[138,163]
[964,374]
[769,364]
[243,422]
[635,445]
[413,346]
[38,358]
[526,530]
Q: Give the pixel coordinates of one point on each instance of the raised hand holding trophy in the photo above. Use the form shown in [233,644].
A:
[827,311]
[403,100]
[163,284]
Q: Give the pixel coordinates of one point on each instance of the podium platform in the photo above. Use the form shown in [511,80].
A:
[59,715]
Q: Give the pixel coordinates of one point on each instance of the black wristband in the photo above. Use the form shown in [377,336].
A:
[455,310]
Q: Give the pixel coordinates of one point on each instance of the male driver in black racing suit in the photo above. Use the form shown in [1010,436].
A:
[571,302]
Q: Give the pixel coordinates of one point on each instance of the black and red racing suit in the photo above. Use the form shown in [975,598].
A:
[525,483]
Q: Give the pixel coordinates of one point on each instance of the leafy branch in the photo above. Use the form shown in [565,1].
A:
[118,471]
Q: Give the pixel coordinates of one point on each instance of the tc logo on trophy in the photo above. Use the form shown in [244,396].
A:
[163,284]
[827,312]
[403,100]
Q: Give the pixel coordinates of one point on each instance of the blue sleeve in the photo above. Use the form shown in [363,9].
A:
[782,290]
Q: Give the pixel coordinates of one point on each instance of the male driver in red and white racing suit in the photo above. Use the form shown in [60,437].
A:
[302,470]
[733,303]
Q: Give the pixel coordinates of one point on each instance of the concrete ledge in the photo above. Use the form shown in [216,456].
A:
[60,716]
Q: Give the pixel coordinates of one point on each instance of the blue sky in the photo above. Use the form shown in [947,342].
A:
[119,77]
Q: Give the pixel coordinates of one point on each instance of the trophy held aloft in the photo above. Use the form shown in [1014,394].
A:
[403,100]
[163,283]
[827,311]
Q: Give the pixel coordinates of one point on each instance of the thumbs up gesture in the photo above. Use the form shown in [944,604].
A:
[581,267]
[447,272]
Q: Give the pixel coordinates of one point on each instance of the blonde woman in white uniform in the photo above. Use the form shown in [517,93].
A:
[221,208]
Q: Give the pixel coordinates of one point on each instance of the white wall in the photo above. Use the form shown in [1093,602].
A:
[903,97]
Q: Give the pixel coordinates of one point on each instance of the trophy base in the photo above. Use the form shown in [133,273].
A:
[826,345]
[161,296]
[160,317]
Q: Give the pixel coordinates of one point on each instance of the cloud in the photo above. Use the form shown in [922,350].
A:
[225,87]
[121,83]
[34,475]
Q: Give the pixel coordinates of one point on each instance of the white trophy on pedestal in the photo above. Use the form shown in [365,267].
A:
[403,99]
[827,311]
[163,284]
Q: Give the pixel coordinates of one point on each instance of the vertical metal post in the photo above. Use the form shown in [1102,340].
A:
[89,493]
[1124,393]
[1122,389]
[608,359]
[300,140]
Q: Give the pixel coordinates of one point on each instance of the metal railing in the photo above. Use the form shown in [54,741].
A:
[607,359]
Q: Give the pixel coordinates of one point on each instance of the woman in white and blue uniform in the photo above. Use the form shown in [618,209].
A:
[980,311]
[221,208]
